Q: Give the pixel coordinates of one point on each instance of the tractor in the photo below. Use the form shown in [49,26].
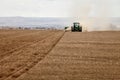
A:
[76,27]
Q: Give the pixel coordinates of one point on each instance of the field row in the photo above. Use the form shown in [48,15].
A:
[26,52]
[80,56]
[10,44]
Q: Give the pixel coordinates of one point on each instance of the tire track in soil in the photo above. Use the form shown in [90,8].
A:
[21,47]
[24,69]
[77,61]
[31,45]
[17,36]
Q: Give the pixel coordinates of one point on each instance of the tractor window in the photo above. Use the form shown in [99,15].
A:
[76,25]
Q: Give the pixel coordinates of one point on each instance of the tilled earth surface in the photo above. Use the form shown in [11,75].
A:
[80,56]
[23,49]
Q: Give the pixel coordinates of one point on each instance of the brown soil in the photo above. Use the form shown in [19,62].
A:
[23,50]
[35,55]
[80,56]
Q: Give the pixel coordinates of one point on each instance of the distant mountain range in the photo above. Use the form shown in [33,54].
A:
[59,23]
[34,22]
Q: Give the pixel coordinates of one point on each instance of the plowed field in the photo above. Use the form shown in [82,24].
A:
[21,50]
[80,56]
[55,55]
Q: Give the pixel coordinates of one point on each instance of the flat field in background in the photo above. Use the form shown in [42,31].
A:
[36,55]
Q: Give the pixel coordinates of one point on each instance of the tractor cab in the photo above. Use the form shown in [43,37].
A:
[76,27]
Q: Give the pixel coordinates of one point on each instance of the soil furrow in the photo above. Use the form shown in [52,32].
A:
[24,59]
[21,47]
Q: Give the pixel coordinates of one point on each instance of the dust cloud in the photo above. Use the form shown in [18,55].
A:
[93,14]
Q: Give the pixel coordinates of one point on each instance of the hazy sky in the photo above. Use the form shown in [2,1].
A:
[60,8]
